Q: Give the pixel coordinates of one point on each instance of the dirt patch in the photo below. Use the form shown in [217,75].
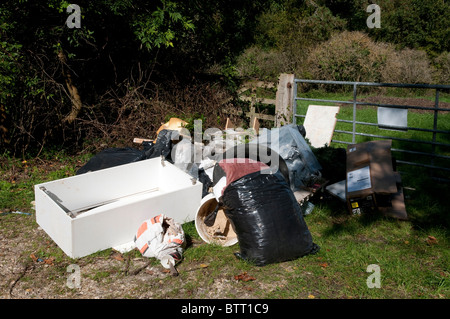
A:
[32,266]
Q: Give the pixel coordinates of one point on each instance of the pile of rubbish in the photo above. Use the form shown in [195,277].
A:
[255,189]
[248,188]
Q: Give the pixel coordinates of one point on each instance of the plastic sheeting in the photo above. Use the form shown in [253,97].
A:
[115,156]
[111,157]
[292,147]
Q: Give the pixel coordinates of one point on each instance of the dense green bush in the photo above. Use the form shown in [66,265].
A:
[264,64]
[348,56]
[442,73]
[353,56]
[415,24]
[288,31]
[329,39]
[407,66]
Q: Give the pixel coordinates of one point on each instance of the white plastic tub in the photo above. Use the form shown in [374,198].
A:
[113,203]
[221,232]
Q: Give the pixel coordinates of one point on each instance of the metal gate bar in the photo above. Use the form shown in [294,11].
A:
[434,130]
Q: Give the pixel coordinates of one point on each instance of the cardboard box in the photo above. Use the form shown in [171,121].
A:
[372,184]
[103,209]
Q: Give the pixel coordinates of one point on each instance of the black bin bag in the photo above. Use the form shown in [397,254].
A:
[116,156]
[267,219]
[111,157]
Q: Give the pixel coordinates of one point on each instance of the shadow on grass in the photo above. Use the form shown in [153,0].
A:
[427,201]
[427,207]
[342,221]
[428,204]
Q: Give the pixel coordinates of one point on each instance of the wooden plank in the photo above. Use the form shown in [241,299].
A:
[229,124]
[138,140]
[266,117]
[259,84]
[257,100]
[268,101]
[252,114]
[255,125]
[284,99]
[232,112]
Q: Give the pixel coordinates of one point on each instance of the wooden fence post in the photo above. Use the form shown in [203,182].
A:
[283,104]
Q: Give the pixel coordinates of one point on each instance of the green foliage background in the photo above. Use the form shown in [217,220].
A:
[126,44]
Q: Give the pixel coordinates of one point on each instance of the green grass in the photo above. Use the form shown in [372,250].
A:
[411,266]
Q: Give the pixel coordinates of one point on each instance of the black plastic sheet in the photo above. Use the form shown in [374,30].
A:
[162,146]
[111,157]
[116,156]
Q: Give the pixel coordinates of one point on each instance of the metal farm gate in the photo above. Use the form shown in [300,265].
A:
[425,145]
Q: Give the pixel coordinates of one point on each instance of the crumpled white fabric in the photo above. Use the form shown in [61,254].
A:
[160,237]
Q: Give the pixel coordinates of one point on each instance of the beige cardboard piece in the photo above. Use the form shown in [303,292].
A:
[372,182]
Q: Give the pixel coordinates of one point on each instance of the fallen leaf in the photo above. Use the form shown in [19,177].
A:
[32,256]
[431,240]
[311,296]
[323,265]
[118,257]
[244,277]
[49,261]
[204,265]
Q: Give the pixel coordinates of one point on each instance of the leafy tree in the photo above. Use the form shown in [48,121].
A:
[296,24]
[49,71]
[52,75]
[352,11]
[415,24]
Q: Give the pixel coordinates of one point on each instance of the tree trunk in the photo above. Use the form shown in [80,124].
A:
[73,91]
